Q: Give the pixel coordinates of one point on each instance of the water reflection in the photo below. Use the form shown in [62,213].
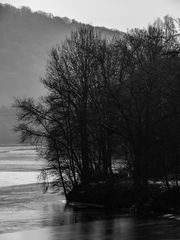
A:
[123,228]
[26,208]
[60,214]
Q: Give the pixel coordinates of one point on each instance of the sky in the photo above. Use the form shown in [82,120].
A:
[115,14]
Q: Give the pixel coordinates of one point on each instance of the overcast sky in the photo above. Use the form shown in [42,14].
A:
[117,14]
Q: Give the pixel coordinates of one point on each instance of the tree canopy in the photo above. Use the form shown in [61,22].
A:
[108,99]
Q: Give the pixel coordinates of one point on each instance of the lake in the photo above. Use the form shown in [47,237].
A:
[27,213]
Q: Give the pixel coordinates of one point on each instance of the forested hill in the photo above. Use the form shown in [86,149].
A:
[26,38]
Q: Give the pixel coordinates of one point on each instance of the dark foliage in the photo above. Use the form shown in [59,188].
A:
[108,98]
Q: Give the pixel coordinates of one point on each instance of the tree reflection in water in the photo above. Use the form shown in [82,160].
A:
[123,228]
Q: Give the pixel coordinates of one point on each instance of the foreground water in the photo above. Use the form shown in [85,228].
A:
[122,228]
[27,213]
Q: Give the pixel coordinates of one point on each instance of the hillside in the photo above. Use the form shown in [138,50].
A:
[25,41]
[26,38]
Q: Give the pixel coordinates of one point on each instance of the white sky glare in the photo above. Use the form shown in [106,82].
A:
[116,14]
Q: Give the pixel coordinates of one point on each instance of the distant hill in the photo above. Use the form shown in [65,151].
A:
[26,38]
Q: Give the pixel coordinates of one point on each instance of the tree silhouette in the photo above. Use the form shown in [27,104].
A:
[106,97]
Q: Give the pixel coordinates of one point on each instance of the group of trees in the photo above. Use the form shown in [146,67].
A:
[107,98]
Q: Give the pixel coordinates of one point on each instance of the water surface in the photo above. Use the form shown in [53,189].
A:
[27,213]
[112,229]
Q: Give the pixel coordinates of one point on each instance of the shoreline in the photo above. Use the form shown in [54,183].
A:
[26,210]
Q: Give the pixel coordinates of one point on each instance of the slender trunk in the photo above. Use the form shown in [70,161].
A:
[84,140]
[61,176]
[166,181]
[140,168]
[110,152]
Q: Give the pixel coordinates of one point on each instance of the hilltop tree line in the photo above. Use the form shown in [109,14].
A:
[109,99]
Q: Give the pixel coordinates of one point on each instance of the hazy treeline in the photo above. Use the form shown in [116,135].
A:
[109,98]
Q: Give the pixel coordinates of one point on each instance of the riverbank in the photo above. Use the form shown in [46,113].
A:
[122,196]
